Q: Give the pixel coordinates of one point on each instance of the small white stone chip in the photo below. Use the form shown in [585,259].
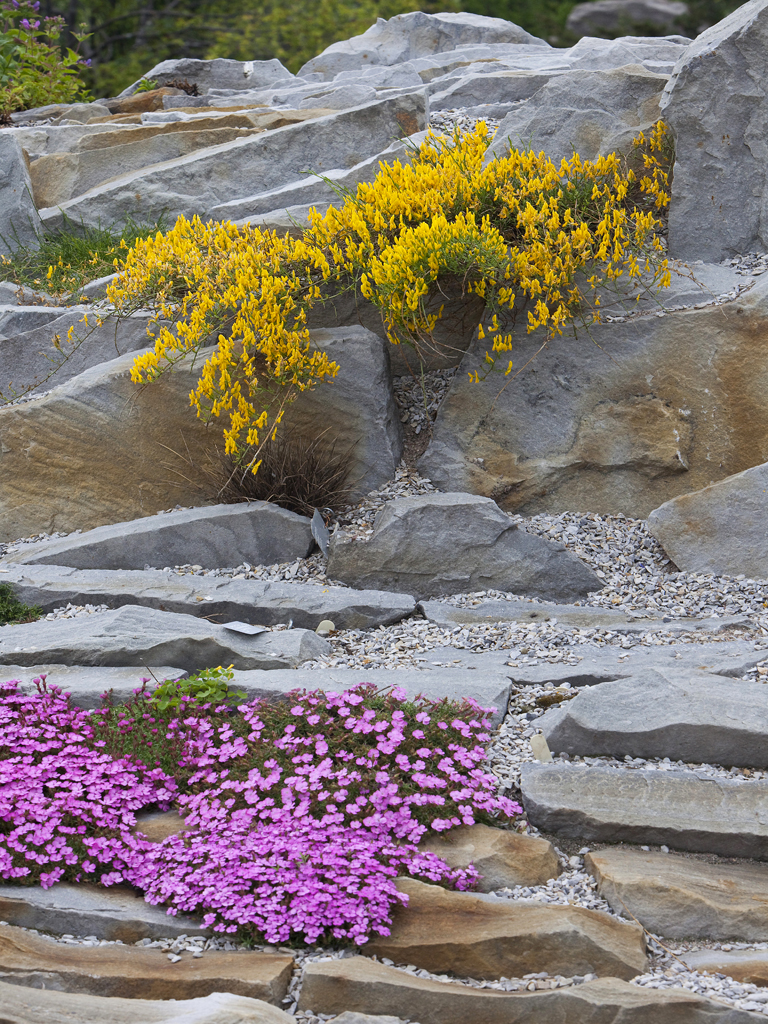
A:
[540,747]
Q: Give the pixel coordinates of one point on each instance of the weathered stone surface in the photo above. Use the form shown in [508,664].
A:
[18,218]
[614,17]
[620,422]
[407,36]
[129,972]
[501,87]
[87,683]
[690,718]
[197,183]
[116,912]
[720,529]
[360,985]
[451,543]
[487,937]
[591,113]
[677,808]
[683,898]
[158,825]
[260,602]
[257,532]
[215,74]
[658,54]
[748,965]
[141,636]
[350,1017]
[571,615]
[502,857]
[720,190]
[24,1005]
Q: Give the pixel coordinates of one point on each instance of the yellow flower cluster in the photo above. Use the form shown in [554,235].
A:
[517,232]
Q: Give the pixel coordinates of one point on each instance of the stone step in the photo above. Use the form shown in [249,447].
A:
[265,603]
[86,683]
[130,972]
[114,912]
[488,936]
[133,635]
[571,616]
[706,719]
[503,858]
[256,532]
[745,965]
[23,1005]
[679,897]
[682,809]
[359,984]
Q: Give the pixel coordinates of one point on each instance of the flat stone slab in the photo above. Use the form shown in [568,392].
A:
[683,898]
[487,936]
[261,602]
[133,635]
[678,809]
[86,683]
[748,965]
[570,615]
[257,532]
[701,718]
[503,858]
[114,912]
[130,972]
[359,985]
[24,1005]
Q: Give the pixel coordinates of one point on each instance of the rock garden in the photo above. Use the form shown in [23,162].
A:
[384,535]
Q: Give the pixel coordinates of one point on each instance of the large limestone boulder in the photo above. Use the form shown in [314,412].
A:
[621,420]
[721,529]
[717,105]
[612,17]
[215,74]
[589,112]
[413,35]
[19,222]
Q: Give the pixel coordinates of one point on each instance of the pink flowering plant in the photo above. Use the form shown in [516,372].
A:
[298,815]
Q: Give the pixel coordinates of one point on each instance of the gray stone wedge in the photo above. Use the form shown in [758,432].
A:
[691,718]
[217,598]
[19,222]
[438,544]
[683,898]
[359,985]
[720,529]
[679,809]
[24,1005]
[138,636]
[257,532]
[87,683]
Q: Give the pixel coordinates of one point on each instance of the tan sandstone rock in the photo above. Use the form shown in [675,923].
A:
[486,937]
[502,857]
[746,965]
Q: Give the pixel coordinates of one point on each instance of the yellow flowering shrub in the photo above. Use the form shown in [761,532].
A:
[520,233]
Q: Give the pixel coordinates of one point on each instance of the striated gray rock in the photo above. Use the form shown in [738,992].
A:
[720,188]
[683,898]
[613,17]
[215,74]
[694,717]
[87,683]
[141,636]
[451,543]
[591,113]
[678,808]
[18,218]
[257,532]
[221,599]
[720,529]
[408,36]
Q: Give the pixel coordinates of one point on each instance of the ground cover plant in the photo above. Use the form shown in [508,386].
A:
[12,610]
[526,239]
[299,815]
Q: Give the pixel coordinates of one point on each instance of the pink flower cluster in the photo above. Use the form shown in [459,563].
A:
[298,818]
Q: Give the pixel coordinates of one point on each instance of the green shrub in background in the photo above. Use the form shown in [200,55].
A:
[34,70]
[12,610]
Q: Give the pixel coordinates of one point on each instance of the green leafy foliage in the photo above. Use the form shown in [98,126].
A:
[209,686]
[14,611]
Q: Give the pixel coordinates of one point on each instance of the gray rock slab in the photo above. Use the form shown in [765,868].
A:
[499,87]
[591,113]
[683,898]
[220,599]
[408,36]
[29,1003]
[709,719]
[571,616]
[720,187]
[17,317]
[86,684]
[197,183]
[610,17]
[114,912]
[138,636]
[19,223]
[682,810]
[655,53]
[749,965]
[440,544]
[257,532]
[215,74]
[720,529]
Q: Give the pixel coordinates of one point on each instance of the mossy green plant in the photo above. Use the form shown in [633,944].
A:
[12,610]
